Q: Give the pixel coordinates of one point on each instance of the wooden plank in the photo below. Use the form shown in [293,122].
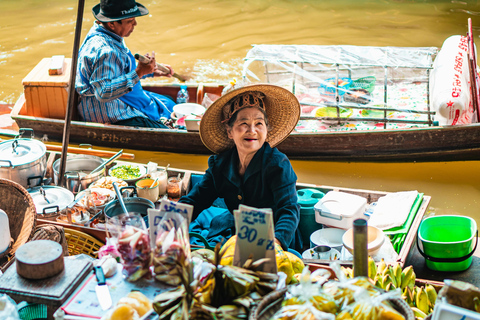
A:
[53,291]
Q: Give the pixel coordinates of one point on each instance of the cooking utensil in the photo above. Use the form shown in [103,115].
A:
[153,183]
[80,197]
[106,163]
[120,198]
[103,294]
[144,59]
[59,199]
[78,171]
[22,159]
[44,194]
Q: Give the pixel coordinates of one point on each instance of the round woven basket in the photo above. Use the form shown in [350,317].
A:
[20,209]
[272,302]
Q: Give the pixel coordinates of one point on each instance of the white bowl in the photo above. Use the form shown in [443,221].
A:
[327,236]
[376,238]
[185,109]
[142,171]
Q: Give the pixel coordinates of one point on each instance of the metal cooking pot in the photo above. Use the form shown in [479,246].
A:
[23,160]
[133,204]
[50,200]
[77,171]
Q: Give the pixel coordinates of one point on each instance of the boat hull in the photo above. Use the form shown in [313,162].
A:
[443,143]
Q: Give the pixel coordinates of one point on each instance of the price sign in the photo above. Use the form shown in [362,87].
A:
[255,237]
[155,216]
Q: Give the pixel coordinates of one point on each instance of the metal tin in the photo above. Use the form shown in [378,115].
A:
[133,204]
[77,171]
[50,200]
[22,160]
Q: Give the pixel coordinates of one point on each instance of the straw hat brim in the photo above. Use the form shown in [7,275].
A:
[281,106]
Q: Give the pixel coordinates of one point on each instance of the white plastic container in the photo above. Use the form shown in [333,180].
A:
[340,209]
[4,231]
[446,311]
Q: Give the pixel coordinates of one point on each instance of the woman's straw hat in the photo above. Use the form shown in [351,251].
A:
[281,106]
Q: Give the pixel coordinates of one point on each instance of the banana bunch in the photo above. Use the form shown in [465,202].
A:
[421,300]
[392,276]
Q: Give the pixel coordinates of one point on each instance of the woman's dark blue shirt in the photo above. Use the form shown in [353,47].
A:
[269,182]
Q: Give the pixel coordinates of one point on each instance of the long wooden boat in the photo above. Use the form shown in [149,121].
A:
[428,143]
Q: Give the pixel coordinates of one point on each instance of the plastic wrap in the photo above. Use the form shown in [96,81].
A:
[133,244]
[348,87]
[172,256]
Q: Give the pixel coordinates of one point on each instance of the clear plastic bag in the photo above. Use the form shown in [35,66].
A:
[8,308]
[172,256]
[133,244]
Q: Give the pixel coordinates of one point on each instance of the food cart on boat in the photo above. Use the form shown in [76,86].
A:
[91,236]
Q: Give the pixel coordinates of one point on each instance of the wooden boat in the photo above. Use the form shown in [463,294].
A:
[422,143]
[407,235]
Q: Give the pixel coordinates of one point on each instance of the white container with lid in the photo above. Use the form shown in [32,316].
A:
[340,209]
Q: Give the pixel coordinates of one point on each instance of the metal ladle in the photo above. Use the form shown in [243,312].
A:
[104,164]
[120,198]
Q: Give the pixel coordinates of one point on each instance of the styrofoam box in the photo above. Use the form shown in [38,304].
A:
[446,311]
[340,209]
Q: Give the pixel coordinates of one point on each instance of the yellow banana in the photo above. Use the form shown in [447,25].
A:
[378,281]
[476,304]
[409,277]
[372,268]
[386,280]
[421,300]
[432,293]
[418,313]
[397,270]
[381,266]
[408,294]
[391,273]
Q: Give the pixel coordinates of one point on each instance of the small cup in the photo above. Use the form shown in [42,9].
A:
[321,252]
[162,180]
[146,190]
[174,187]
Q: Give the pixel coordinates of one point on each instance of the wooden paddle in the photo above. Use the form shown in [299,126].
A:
[144,59]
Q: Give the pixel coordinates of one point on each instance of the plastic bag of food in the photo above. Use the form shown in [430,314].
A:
[172,256]
[8,308]
[307,300]
[130,235]
[378,307]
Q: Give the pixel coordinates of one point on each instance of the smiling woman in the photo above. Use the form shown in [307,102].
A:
[243,127]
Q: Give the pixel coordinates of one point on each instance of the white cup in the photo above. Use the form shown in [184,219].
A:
[144,189]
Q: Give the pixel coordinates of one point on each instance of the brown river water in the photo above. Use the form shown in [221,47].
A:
[208,39]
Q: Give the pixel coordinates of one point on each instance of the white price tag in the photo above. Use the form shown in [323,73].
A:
[255,237]
[155,216]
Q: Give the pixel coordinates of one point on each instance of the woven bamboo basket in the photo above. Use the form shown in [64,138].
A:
[272,302]
[79,242]
[22,215]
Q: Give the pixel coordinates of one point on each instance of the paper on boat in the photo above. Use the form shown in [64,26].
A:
[392,210]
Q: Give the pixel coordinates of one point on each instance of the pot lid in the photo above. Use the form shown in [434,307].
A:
[21,151]
[49,197]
